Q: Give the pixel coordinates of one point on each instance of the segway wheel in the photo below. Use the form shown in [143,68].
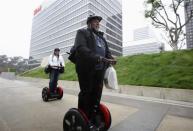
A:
[106,116]
[74,120]
[60,92]
[45,93]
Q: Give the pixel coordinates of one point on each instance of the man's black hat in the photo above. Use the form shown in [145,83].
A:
[92,17]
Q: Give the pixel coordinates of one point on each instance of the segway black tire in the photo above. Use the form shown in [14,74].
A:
[74,120]
[45,94]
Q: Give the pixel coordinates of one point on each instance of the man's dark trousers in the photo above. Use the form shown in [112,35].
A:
[91,86]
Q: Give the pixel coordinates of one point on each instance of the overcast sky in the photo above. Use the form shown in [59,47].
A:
[15,26]
[16,23]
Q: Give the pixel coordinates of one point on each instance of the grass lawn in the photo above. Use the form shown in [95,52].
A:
[168,69]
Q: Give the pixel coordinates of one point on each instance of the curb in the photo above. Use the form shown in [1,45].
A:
[156,93]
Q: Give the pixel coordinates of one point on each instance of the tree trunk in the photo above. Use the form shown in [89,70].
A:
[174,45]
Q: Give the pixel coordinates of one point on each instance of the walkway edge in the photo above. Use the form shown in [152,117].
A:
[161,95]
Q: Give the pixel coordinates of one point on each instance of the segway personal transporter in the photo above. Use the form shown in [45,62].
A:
[76,120]
[58,91]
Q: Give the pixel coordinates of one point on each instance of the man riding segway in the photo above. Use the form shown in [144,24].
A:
[92,59]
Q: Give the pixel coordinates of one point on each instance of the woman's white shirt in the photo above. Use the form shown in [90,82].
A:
[55,61]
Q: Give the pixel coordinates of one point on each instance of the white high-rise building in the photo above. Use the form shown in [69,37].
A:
[143,33]
[56,24]
[144,41]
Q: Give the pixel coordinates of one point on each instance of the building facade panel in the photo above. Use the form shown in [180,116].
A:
[142,48]
[144,41]
[189,26]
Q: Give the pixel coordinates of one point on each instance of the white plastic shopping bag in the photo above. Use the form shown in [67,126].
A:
[110,78]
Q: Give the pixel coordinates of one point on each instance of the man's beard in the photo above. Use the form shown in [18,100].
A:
[95,30]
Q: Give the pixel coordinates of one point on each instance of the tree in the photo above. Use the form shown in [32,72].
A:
[3,60]
[17,63]
[22,65]
[15,60]
[166,16]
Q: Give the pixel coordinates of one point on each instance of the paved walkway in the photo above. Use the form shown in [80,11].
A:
[22,109]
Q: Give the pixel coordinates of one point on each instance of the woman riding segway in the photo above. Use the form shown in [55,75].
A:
[55,67]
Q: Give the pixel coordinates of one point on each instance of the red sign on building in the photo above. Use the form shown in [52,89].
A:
[37,10]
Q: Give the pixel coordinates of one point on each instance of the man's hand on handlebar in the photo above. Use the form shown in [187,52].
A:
[108,61]
[57,66]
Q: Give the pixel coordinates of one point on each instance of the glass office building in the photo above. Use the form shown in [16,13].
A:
[189,26]
[56,26]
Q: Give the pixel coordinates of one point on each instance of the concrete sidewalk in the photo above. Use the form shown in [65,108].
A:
[22,108]
[144,113]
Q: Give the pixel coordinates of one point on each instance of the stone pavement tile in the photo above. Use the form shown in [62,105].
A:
[176,123]
[119,112]
[23,109]
[3,126]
